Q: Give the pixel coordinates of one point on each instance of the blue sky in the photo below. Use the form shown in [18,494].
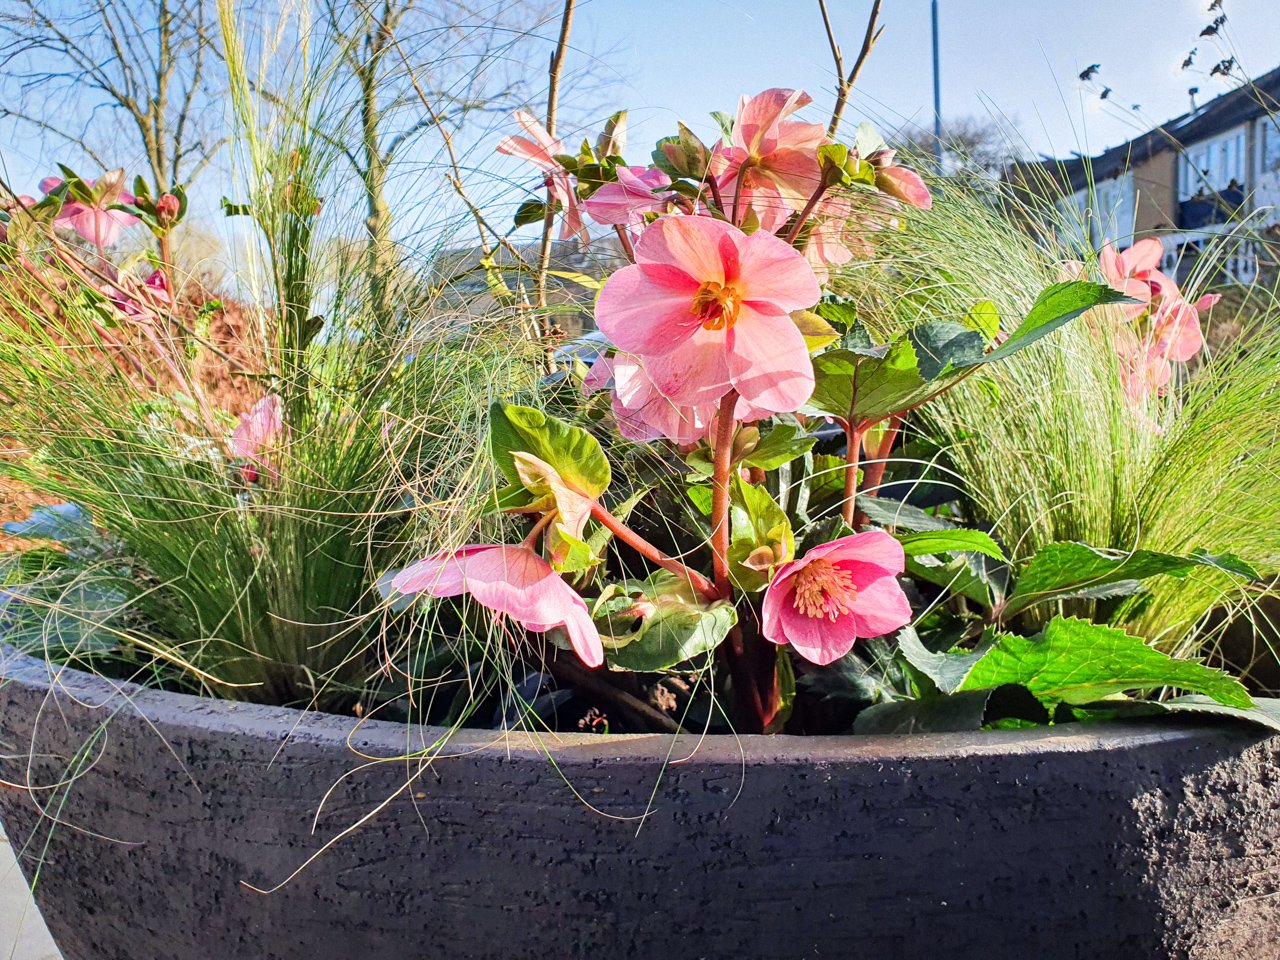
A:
[1016,59]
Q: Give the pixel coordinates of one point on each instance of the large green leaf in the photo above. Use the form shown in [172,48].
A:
[1077,662]
[574,453]
[1055,306]
[675,625]
[1069,570]
[869,385]
[947,671]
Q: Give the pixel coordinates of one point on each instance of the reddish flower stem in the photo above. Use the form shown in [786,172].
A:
[722,467]
[652,553]
[804,214]
[874,474]
[625,241]
[853,438]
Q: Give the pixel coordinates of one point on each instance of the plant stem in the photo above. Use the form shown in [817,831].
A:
[845,84]
[722,468]
[853,432]
[575,675]
[652,553]
[626,242]
[804,214]
[553,98]
[874,473]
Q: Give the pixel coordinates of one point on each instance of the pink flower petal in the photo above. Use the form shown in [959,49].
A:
[641,312]
[696,373]
[769,361]
[904,185]
[772,273]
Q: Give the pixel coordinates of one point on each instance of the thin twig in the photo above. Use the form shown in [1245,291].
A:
[845,84]
[553,97]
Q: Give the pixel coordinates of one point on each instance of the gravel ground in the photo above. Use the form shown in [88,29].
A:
[22,932]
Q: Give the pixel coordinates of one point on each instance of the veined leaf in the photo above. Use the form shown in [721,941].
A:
[573,453]
[950,541]
[1077,662]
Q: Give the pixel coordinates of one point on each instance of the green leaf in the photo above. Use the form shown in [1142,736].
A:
[1077,662]
[725,122]
[950,541]
[1265,711]
[1069,570]
[574,453]
[894,513]
[679,627]
[760,536]
[780,445]
[868,141]
[971,575]
[817,332]
[943,347]
[947,670]
[958,713]
[531,211]
[786,674]
[1054,307]
[232,209]
[612,141]
[984,318]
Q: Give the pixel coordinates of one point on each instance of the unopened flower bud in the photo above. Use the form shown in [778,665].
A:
[167,209]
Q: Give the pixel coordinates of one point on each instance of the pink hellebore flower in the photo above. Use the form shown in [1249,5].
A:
[513,581]
[707,309]
[770,160]
[257,431]
[95,223]
[625,202]
[836,594]
[1134,273]
[540,149]
[905,185]
[644,413]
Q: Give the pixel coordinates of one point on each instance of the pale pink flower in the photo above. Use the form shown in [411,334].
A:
[833,239]
[905,185]
[94,222]
[512,581]
[625,202]
[541,149]
[770,162]
[1134,273]
[644,413]
[707,308]
[256,433]
[836,594]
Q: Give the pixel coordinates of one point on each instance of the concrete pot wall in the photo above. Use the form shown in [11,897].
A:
[1137,840]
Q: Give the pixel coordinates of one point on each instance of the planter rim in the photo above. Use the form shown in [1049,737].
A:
[373,740]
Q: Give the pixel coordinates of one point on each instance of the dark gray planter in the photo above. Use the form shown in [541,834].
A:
[1138,840]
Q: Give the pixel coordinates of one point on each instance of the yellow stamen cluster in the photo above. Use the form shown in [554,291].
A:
[717,304]
[824,590]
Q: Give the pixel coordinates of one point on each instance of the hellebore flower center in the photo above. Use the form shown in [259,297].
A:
[717,304]
[823,589]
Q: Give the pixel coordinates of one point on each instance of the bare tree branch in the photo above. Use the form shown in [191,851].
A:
[845,84]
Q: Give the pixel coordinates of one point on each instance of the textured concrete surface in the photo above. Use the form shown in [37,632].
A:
[1157,840]
[22,932]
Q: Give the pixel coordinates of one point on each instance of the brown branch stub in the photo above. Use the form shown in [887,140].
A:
[845,83]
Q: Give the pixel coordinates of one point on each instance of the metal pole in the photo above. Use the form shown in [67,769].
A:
[937,97]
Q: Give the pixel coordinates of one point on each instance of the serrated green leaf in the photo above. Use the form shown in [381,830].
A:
[1054,307]
[947,671]
[950,541]
[943,347]
[571,451]
[1071,570]
[1265,711]
[1077,662]
[984,318]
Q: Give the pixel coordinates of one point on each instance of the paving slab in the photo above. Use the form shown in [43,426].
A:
[22,931]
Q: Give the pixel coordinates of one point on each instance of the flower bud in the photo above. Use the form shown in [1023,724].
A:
[168,207]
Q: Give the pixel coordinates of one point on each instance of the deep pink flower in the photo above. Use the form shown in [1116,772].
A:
[770,161]
[513,581]
[257,431]
[707,309]
[541,149]
[626,202]
[95,223]
[836,594]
